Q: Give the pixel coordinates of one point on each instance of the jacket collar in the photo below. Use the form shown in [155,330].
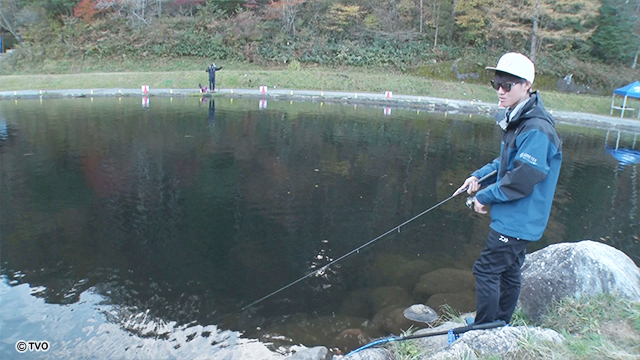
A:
[525,110]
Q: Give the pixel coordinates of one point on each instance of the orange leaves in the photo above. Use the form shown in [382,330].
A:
[86,10]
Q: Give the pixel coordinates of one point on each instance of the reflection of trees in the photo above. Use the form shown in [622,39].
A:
[169,213]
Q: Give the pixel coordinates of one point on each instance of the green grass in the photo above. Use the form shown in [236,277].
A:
[408,349]
[186,73]
[594,327]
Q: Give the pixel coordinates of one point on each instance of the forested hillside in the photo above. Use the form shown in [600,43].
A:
[596,40]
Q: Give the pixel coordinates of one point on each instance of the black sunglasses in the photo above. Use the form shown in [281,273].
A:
[505,86]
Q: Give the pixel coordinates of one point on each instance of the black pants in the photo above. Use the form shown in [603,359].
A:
[497,273]
[212,84]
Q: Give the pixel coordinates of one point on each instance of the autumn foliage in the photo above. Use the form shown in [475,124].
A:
[85,10]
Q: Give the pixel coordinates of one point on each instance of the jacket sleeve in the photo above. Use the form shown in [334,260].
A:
[483,171]
[530,166]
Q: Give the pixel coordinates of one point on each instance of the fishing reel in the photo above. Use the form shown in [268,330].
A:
[470,201]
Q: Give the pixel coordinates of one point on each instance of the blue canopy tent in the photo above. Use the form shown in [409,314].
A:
[631,90]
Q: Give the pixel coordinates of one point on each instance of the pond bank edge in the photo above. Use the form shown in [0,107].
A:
[427,103]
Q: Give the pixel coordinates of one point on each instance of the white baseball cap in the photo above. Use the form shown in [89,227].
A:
[516,64]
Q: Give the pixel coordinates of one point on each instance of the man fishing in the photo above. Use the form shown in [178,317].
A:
[212,76]
[521,197]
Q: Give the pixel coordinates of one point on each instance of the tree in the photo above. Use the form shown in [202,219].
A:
[534,31]
[137,11]
[286,11]
[8,17]
[340,16]
[615,39]
[17,14]
[526,25]
[474,18]
[54,8]
[441,9]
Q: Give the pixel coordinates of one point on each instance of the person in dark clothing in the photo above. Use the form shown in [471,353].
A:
[212,76]
[521,197]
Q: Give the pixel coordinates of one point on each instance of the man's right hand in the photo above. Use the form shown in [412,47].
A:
[471,184]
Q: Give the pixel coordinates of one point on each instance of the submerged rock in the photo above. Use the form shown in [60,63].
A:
[384,297]
[351,339]
[357,303]
[447,280]
[462,301]
[391,320]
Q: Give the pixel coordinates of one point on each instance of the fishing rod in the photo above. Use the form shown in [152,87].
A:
[453,334]
[357,250]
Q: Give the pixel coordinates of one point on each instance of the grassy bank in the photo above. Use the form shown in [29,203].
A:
[594,327]
[188,73]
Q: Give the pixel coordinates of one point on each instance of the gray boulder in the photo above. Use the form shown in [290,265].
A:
[431,344]
[314,353]
[572,270]
[368,354]
[495,342]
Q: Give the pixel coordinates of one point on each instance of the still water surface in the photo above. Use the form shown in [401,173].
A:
[164,221]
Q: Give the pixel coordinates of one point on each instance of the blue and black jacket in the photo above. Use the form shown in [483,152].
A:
[528,169]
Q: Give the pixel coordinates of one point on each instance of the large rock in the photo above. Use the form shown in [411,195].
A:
[315,353]
[434,343]
[499,342]
[572,270]
[447,280]
[373,353]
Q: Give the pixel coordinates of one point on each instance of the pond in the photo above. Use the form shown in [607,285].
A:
[164,219]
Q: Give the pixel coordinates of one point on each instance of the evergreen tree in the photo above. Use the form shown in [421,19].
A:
[615,39]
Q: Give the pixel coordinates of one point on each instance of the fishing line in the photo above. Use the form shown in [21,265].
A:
[356,250]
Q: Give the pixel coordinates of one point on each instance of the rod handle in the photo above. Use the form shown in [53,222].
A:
[485,326]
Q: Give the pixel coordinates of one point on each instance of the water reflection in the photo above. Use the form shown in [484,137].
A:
[88,328]
[186,213]
[625,156]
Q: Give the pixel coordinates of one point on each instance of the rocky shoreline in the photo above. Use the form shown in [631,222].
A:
[587,268]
